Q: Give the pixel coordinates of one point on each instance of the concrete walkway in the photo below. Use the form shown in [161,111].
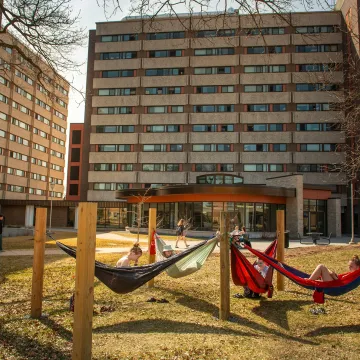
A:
[257,244]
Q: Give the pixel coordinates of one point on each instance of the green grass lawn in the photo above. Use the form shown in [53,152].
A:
[185,329]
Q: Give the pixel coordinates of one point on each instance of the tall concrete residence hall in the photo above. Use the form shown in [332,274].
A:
[33,121]
[216,115]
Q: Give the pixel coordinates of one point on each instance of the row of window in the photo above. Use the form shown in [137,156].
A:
[33,176]
[219,89]
[215,108]
[221,70]
[221,33]
[217,147]
[32,191]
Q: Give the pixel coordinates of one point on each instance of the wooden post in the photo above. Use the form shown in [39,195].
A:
[84,282]
[280,230]
[224,311]
[38,263]
[152,227]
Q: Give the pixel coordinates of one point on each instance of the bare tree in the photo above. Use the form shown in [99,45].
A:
[44,33]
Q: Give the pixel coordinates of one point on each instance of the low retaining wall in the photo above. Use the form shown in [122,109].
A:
[11,232]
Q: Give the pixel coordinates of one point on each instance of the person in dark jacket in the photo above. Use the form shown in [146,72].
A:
[2,222]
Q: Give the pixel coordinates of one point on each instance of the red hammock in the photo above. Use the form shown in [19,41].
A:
[244,273]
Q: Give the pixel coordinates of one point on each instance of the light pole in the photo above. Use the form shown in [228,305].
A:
[352,240]
[52,185]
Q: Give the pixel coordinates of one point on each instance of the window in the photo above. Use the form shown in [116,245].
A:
[42,104]
[160,167]
[114,110]
[279,107]
[105,167]
[259,107]
[263,167]
[166,35]
[74,172]
[40,133]
[57,141]
[75,155]
[164,72]
[176,147]
[165,53]
[122,37]
[265,127]
[205,167]
[42,89]
[55,194]
[19,140]
[215,33]
[212,70]
[318,127]
[110,186]
[38,177]
[20,124]
[58,128]
[316,29]
[157,109]
[227,89]
[163,91]
[212,147]
[113,148]
[216,51]
[206,89]
[219,179]
[256,147]
[39,147]
[265,69]
[43,163]
[15,188]
[266,31]
[56,167]
[76,137]
[177,109]
[23,93]
[318,67]
[213,108]
[226,167]
[264,50]
[118,55]
[18,156]
[163,128]
[4,81]
[118,73]
[126,167]
[59,115]
[3,116]
[24,77]
[315,167]
[318,147]
[263,88]
[4,99]
[42,119]
[61,89]
[117,92]
[61,102]
[16,172]
[317,87]
[73,189]
[115,128]
[55,181]
[3,134]
[313,107]
[317,48]
[154,148]
[279,147]
[4,64]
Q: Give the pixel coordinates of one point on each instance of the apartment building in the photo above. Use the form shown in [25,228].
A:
[33,121]
[215,103]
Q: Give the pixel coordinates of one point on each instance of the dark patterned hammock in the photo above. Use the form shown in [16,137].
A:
[244,273]
[126,279]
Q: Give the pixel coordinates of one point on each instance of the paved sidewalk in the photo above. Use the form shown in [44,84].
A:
[257,244]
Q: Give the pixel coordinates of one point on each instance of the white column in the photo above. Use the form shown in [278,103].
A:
[76,218]
[334,217]
[29,216]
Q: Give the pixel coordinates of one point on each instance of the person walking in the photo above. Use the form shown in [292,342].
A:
[180,232]
[2,222]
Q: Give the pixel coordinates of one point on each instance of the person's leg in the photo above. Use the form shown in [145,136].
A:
[177,240]
[184,238]
[322,272]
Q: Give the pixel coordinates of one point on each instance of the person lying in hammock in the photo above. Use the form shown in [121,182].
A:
[168,251]
[261,267]
[133,255]
[322,273]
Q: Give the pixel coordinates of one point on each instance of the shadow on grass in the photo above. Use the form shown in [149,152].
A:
[167,326]
[28,348]
[59,329]
[327,330]
[327,297]
[275,311]
[206,307]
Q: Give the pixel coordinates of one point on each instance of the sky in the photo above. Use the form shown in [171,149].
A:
[90,13]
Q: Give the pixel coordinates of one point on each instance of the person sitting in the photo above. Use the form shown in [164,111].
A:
[133,255]
[261,267]
[168,251]
[322,273]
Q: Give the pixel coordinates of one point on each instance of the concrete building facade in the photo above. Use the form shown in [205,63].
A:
[216,101]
